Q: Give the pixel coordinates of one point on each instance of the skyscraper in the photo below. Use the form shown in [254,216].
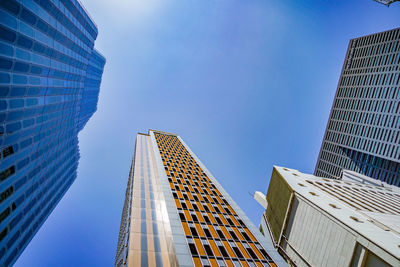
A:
[316,221]
[177,214]
[49,84]
[363,131]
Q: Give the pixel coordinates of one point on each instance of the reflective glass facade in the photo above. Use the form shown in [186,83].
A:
[176,213]
[363,131]
[50,76]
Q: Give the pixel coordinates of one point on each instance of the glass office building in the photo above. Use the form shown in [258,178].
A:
[177,214]
[49,84]
[363,131]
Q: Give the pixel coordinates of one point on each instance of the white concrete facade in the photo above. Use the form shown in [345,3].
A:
[336,223]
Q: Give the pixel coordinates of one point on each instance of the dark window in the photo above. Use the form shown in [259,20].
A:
[234,236]
[238,253]
[6,193]
[3,233]
[251,252]
[28,16]
[193,231]
[218,220]
[223,251]
[21,67]
[208,250]
[42,26]
[182,216]
[7,173]
[8,151]
[5,214]
[265,254]
[193,249]
[7,35]
[5,63]
[39,48]
[207,232]
[11,6]
[246,236]
[221,235]
[24,42]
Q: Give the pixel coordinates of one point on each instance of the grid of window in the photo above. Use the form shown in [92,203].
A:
[49,84]
[363,132]
[144,232]
[123,237]
[361,197]
[215,234]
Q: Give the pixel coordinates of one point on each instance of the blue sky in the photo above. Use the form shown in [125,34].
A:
[247,84]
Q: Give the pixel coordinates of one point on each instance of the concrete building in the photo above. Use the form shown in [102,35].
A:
[363,131]
[50,76]
[316,221]
[177,214]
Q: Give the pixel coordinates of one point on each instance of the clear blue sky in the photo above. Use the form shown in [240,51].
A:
[247,84]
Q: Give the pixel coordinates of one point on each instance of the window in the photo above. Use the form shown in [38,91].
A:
[234,236]
[193,231]
[237,252]
[222,249]
[193,249]
[7,173]
[220,234]
[208,250]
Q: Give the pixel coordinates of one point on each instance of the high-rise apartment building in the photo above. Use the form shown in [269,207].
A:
[363,131]
[177,214]
[317,221]
[49,84]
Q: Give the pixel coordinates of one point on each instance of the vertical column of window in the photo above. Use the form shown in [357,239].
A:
[143,228]
[152,189]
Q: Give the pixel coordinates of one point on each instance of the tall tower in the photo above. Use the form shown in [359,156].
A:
[363,131]
[49,84]
[177,214]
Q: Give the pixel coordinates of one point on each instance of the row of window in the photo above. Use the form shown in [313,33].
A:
[334,158]
[360,198]
[370,93]
[10,36]
[379,38]
[391,59]
[376,49]
[26,91]
[375,79]
[36,22]
[37,70]
[366,131]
